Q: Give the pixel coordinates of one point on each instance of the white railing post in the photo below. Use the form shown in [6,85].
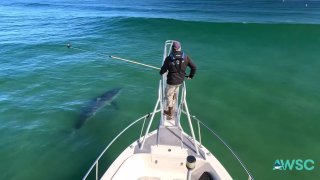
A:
[161,97]
[199,134]
[150,122]
[189,119]
[97,171]
[144,121]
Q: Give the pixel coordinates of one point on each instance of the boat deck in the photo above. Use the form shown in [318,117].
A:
[170,136]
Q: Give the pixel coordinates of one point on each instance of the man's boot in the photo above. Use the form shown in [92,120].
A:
[168,112]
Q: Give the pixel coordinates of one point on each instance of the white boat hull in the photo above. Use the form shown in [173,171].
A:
[165,161]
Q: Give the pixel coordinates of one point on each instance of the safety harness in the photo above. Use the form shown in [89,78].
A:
[177,59]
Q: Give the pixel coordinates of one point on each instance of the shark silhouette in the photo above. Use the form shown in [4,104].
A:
[97,104]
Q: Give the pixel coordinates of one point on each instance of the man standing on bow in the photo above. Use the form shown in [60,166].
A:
[176,64]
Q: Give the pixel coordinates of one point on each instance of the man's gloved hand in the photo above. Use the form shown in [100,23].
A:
[188,77]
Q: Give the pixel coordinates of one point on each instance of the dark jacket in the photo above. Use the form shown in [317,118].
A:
[176,64]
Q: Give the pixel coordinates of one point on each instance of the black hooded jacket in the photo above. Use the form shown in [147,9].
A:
[176,65]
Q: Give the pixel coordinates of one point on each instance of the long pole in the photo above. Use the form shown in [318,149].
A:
[113,57]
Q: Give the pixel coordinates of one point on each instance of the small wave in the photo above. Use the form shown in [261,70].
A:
[37,4]
[33,4]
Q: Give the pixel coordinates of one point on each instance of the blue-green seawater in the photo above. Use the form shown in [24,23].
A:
[257,82]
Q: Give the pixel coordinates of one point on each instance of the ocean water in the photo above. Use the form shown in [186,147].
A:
[257,83]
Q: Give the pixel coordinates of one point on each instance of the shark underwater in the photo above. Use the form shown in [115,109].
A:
[95,105]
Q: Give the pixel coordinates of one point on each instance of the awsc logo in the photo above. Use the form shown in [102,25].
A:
[297,164]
